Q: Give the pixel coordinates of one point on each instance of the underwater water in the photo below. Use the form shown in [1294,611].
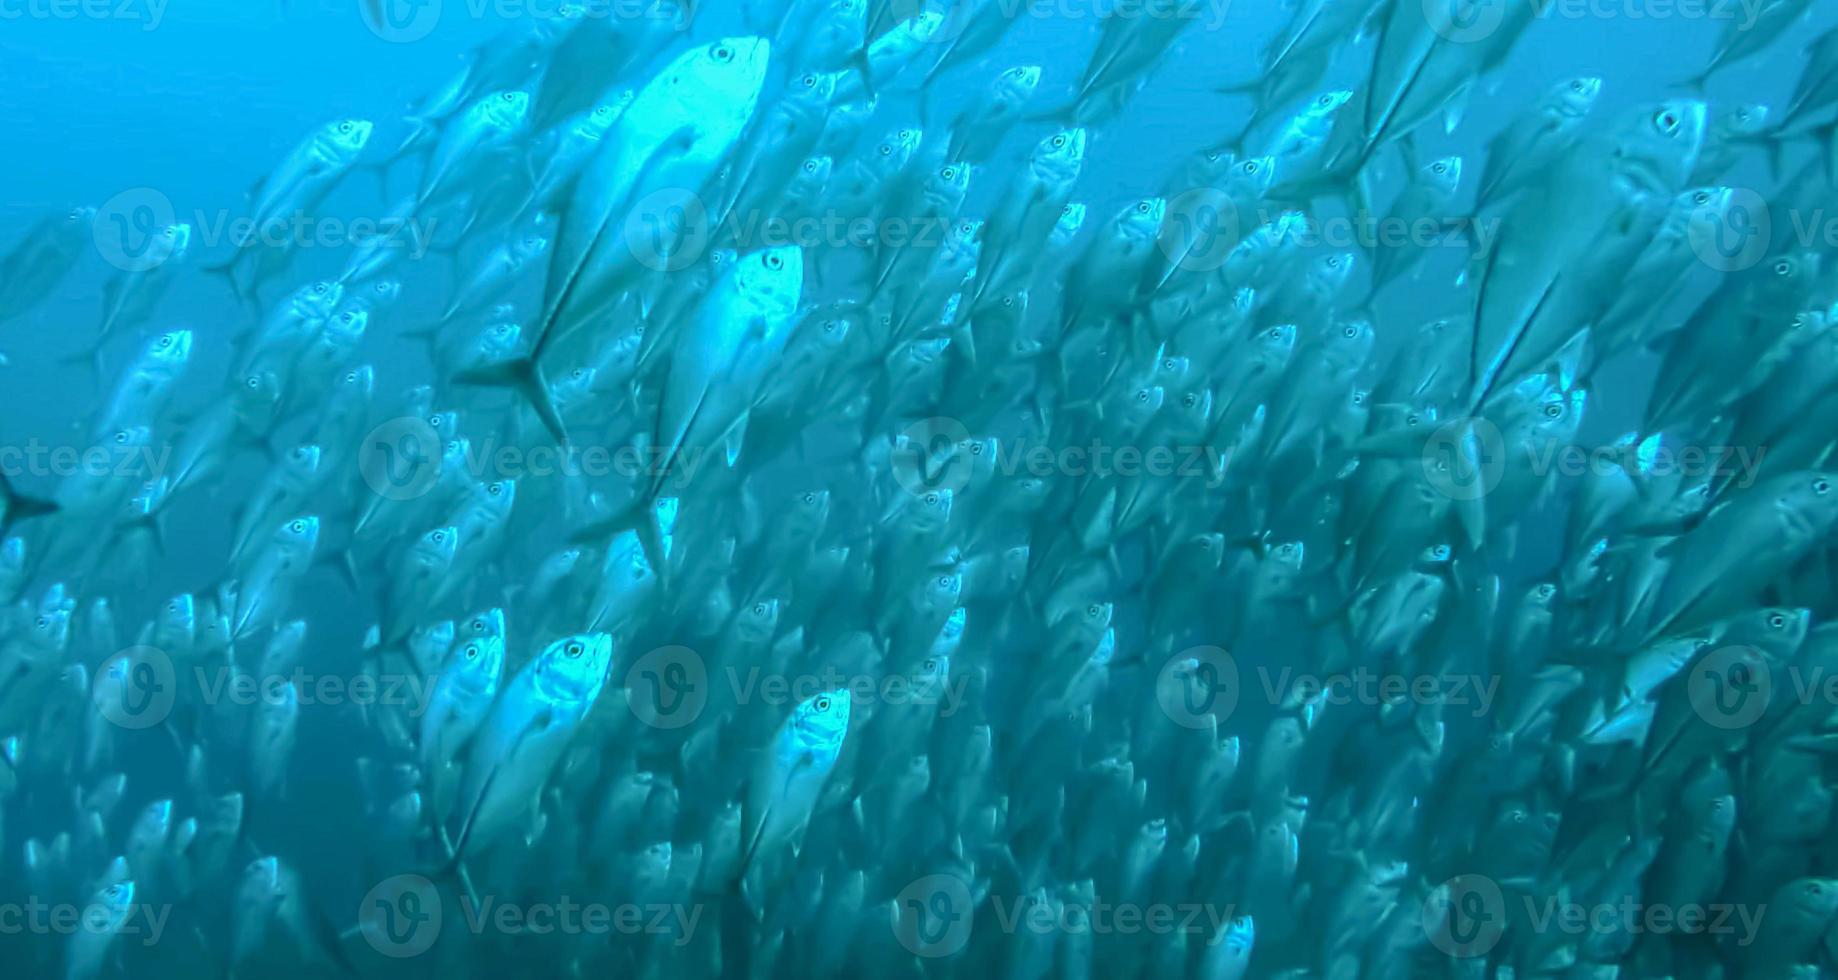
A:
[944,488]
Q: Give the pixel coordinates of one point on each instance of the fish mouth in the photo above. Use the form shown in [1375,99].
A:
[1792,520]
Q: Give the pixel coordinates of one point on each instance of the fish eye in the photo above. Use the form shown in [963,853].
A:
[886,150]
[578,373]
[810,166]
[1349,331]
[944,581]
[823,704]
[298,527]
[1700,198]
[1783,268]
[43,623]
[931,499]
[121,438]
[1142,396]
[472,651]
[1821,487]
[1249,166]
[1547,590]
[320,288]
[774,263]
[1189,400]
[1333,262]
[1411,419]
[723,53]
[1439,167]
[1553,410]
[1143,208]
[1359,398]
[574,650]
[166,341]
[495,489]
[438,537]
[1777,621]
[1667,121]
[829,326]
[759,609]
[344,127]
[810,499]
[948,174]
[1058,142]
[1094,610]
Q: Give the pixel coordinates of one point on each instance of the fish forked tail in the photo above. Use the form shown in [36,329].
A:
[640,516]
[524,376]
[227,270]
[16,507]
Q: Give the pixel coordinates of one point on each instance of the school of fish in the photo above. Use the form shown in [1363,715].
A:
[807,540]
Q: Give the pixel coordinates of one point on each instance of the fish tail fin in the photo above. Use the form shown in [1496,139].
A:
[227,270]
[865,68]
[16,507]
[1248,87]
[524,376]
[380,170]
[1696,82]
[90,358]
[1063,114]
[640,516]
